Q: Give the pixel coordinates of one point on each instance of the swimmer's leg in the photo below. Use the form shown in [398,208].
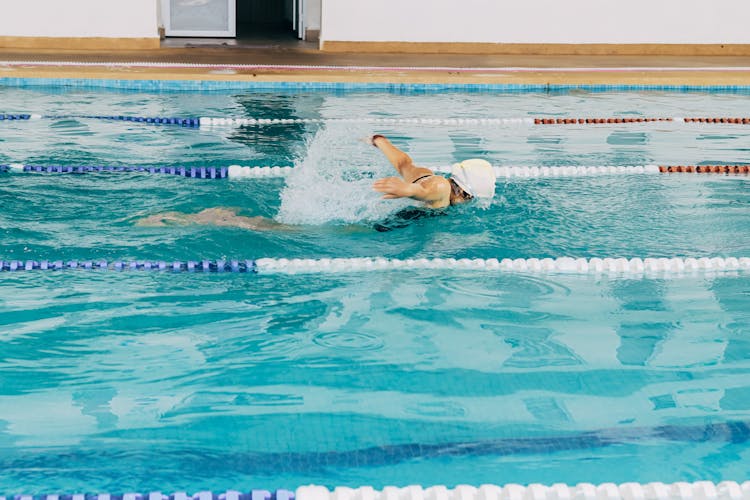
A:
[228,218]
[164,219]
[214,217]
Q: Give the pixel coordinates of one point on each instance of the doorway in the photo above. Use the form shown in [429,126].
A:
[240,22]
[264,20]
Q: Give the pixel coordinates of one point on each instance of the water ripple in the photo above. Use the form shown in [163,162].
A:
[349,341]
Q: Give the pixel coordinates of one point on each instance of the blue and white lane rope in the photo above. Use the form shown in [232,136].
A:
[207,121]
[247,172]
[699,490]
[565,265]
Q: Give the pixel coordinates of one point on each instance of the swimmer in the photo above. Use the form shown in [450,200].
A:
[469,179]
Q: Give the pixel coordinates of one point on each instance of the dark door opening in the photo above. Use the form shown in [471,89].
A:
[265,20]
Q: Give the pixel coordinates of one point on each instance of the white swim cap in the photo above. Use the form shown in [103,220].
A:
[476,177]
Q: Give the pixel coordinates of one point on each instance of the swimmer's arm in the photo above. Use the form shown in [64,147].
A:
[398,158]
[433,191]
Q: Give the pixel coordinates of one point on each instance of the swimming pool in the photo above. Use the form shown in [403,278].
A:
[143,381]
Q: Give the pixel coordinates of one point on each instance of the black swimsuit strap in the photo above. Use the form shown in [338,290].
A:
[420,178]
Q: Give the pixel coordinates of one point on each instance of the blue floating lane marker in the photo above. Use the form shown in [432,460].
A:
[158,495]
[192,172]
[21,116]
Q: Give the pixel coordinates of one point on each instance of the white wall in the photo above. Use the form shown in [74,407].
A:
[79,18]
[537,21]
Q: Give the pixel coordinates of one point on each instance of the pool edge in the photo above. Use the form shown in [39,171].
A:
[208,85]
[344,71]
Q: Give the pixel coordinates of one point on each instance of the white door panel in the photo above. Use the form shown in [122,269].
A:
[210,18]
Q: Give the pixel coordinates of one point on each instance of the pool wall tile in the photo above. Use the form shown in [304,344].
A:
[213,86]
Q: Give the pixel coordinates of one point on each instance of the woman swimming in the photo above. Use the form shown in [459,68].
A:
[469,179]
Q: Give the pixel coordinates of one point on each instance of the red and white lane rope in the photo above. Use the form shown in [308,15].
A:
[329,67]
[210,122]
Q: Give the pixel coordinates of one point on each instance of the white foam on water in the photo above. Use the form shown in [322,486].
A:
[329,187]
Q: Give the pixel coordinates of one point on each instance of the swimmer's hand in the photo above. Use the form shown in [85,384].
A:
[370,139]
[395,187]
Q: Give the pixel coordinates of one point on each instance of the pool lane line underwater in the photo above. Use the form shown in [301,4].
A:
[635,266]
[245,172]
[199,122]
[698,490]
[265,463]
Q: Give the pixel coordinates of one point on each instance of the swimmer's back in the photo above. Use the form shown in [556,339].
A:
[407,216]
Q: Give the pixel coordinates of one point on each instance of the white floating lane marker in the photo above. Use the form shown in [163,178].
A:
[216,122]
[245,172]
[239,172]
[562,265]
[699,490]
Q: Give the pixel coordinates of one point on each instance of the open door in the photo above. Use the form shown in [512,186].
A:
[200,18]
[299,9]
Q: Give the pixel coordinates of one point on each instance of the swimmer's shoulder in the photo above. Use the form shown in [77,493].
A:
[440,187]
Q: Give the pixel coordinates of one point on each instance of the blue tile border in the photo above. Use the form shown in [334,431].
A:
[234,85]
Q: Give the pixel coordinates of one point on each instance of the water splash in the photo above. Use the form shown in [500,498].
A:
[329,186]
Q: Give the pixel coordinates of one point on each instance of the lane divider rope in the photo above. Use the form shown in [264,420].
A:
[617,120]
[699,490]
[196,122]
[705,169]
[18,117]
[208,266]
[194,172]
[568,265]
[309,67]
[157,495]
[243,172]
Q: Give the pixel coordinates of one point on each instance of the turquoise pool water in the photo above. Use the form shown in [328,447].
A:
[122,382]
